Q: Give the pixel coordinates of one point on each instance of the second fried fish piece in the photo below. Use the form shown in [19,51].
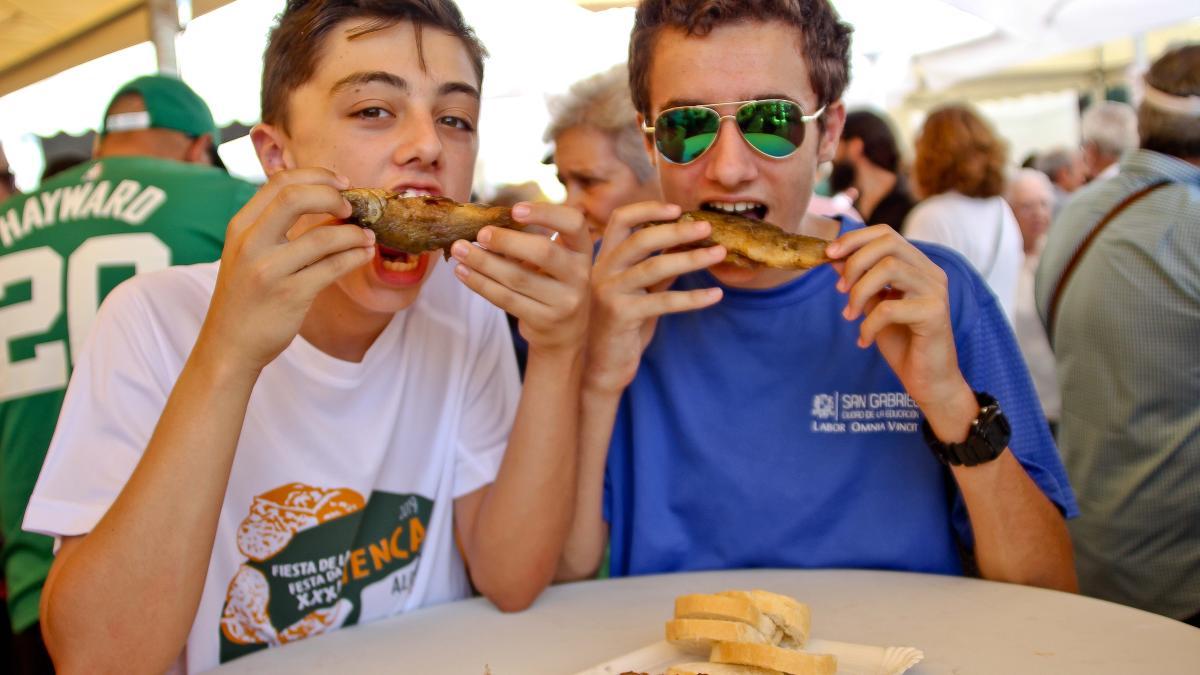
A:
[755,243]
[425,223]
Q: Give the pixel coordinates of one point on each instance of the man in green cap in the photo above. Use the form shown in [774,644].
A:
[154,195]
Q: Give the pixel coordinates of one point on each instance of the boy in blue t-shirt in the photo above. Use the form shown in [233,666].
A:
[754,417]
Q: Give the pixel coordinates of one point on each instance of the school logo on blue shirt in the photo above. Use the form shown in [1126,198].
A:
[865,413]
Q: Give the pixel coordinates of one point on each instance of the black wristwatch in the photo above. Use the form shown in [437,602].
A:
[986,439]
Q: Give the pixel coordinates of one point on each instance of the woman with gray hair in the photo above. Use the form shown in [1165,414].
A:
[598,148]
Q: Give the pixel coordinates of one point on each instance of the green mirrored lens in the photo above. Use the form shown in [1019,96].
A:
[775,128]
[682,134]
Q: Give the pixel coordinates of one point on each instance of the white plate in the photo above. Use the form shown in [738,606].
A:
[853,659]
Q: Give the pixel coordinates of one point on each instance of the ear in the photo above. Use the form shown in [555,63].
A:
[647,141]
[270,144]
[197,150]
[835,119]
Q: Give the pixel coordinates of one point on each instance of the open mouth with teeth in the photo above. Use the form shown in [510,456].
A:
[752,210]
[397,261]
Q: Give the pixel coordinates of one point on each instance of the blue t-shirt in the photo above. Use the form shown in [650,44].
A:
[758,434]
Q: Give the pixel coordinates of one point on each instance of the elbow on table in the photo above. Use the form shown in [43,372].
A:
[511,600]
[574,569]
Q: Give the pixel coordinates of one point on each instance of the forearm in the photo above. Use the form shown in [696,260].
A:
[152,548]
[1020,536]
[585,543]
[521,525]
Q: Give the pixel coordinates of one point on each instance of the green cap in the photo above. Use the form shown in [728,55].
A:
[170,104]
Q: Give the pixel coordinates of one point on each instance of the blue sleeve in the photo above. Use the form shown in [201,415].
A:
[992,362]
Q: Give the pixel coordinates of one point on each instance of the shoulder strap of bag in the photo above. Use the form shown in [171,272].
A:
[1056,297]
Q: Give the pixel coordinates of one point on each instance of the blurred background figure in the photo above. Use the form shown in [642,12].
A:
[959,171]
[868,160]
[8,185]
[1126,334]
[598,148]
[1066,171]
[60,164]
[512,193]
[1031,197]
[1109,130]
[151,198]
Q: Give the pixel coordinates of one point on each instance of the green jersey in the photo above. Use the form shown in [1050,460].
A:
[62,249]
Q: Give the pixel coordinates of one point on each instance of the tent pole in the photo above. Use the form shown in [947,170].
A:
[164,28]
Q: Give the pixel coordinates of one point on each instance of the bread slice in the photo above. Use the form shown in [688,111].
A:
[697,636]
[725,608]
[788,661]
[718,669]
[791,616]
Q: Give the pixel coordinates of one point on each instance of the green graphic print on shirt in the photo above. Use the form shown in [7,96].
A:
[310,553]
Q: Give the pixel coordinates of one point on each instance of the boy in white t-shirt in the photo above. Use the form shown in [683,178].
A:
[318,431]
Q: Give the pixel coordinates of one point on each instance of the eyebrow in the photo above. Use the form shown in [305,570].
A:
[368,77]
[458,88]
[383,77]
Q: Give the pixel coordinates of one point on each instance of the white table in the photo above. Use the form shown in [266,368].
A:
[963,625]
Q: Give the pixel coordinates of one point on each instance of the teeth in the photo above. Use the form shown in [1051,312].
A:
[413,192]
[736,207]
[397,266]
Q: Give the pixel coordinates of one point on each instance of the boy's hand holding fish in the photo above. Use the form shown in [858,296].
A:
[543,283]
[275,261]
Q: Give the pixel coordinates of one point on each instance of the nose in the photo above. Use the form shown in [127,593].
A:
[574,196]
[730,161]
[419,142]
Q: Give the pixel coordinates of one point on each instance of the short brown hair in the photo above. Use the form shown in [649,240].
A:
[299,34]
[826,44]
[1178,73]
[958,150]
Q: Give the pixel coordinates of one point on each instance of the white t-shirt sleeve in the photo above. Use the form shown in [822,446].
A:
[112,405]
[493,389]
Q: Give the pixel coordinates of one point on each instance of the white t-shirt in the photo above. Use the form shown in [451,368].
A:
[1031,336]
[983,230]
[339,508]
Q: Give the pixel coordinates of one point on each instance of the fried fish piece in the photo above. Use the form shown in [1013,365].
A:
[418,224]
[754,243]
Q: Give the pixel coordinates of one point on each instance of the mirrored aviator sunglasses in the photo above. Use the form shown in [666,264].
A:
[774,127]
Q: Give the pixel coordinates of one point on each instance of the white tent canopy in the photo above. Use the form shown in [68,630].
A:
[948,41]
[1026,30]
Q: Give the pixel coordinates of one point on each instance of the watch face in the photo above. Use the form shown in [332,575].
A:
[987,437]
[990,435]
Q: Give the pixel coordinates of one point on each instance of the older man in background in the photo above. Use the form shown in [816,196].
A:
[598,148]
[1065,168]
[1126,332]
[1031,197]
[1109,130]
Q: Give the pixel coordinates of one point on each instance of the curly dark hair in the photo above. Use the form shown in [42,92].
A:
[959,151]
[826,43]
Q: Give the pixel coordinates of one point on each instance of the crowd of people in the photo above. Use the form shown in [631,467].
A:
[274,426]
